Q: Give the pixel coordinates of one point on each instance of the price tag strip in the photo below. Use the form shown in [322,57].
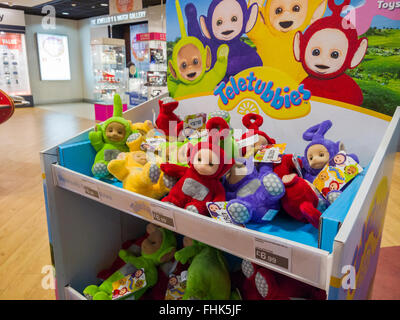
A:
[273,253]
[163,215]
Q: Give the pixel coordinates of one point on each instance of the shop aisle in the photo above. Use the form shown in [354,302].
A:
[24,245]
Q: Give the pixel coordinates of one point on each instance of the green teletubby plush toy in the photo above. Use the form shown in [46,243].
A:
[159,247]
[109,139]
[208,276]
[191,62]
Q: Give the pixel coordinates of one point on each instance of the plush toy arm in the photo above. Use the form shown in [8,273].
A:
[173,170]
[96,139]
[187,253]
[138,262]
[118,169]
[214,76]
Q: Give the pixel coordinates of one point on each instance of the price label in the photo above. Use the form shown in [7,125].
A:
[90,189]
[163,215]
[273,253]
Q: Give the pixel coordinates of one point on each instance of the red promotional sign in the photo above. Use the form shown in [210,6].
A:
[124,5]
[151,36]
[11,40]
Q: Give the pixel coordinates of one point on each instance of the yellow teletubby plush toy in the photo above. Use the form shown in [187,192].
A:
[277,23]
[140,131]
[140,176]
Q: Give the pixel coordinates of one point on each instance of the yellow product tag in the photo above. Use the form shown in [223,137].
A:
[270,153]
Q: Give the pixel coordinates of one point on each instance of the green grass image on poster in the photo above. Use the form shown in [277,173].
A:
[378,75]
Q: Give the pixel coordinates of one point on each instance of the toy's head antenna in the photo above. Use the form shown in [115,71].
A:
[318,131]
[218,129]
[252,121]
[117,106]
[180,19]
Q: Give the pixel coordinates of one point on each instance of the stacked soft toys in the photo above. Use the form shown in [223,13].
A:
[209,172]
[162,265]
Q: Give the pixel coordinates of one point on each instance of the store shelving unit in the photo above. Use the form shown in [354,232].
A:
[89,219]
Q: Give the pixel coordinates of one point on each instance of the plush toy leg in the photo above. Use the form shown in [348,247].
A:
[265,283]
[311,213]
[239,210]
[100,170]
[118,169]
[197,207]
[273,185]
[248,288]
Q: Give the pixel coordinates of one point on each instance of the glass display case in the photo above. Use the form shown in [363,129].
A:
[109,69]
[14,76]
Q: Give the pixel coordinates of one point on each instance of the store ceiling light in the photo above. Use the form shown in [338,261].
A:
[73,4]
[65,13]
[104,4]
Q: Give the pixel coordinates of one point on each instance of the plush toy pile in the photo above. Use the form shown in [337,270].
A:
[197,164]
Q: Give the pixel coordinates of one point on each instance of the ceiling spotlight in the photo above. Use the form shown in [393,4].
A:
[104,4]
[65,13]
[73,4]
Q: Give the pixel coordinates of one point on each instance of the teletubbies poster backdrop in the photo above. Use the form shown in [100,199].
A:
[273,57]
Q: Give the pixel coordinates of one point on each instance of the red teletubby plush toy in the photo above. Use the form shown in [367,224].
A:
[167,120]
[200,182]
[300,200]
[253,122]
[263,284]
[326,50]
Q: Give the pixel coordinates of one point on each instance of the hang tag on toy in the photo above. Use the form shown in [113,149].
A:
[198,134]
[337,174]
[248,141]
[270,153]
[196,121]
[128,285]
[218,212]
[176,286]
[297,165]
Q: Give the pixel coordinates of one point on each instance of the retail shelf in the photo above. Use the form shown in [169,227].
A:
[302,262]
[72,294]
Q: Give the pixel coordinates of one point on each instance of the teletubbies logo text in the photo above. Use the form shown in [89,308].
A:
[268,89]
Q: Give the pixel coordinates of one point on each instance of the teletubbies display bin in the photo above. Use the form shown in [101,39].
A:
[297,88]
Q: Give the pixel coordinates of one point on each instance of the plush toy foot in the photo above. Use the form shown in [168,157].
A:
[133,137]
[333,195]
[169,181]
[273,185]
[247,268]
[90,291]
[265,283]
[323,204]
[220,113]
[100,170]
[238,211]
[154,173]
[102,296]
[310,213]
[192,208]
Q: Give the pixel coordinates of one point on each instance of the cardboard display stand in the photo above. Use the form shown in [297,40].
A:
[89,219]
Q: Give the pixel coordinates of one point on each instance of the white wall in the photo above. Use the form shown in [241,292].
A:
[45,92]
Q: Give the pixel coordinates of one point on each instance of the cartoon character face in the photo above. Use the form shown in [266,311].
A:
[138,273]
[173,281]
[189,62]
[115,132]
[323,176]
[334,185]
[339,159]
[351,170]
[139,157]
[227,20]
[123,291]
[206,162]
[260,143]
[286,15]
[213,207]
[324,57]
[317,156]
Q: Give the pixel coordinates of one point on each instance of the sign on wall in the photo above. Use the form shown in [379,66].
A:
[53,57]
[12,17]
[123,6]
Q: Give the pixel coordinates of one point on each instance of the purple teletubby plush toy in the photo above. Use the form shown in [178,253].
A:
[225,23]
[320,151]
[253,195]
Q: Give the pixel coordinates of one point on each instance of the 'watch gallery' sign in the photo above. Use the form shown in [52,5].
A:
[120,18]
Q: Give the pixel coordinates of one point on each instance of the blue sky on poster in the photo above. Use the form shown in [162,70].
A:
[202,6]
